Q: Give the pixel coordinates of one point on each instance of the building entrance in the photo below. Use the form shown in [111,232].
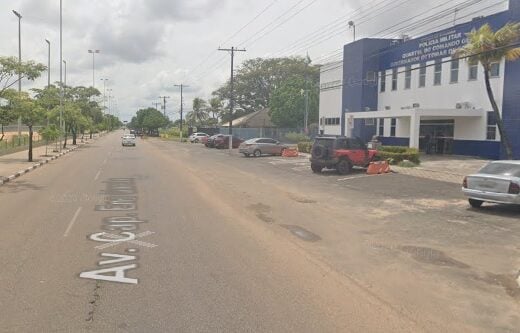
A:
[436,136]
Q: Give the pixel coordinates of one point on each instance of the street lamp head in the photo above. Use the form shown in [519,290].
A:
[94,51]
[351,24]
[48,42]
[17,14]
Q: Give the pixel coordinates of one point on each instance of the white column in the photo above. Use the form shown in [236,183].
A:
[415,123]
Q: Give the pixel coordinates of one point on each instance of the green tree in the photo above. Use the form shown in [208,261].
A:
[199,114]
[30,113]
[486,46]
[49,133]
[215,108]
[257,79]
[11,70]
[7,116]
[287,105]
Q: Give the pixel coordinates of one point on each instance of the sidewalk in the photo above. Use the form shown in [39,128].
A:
[15,164]
[446,168]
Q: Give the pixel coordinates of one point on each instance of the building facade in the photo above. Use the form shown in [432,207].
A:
[413,93]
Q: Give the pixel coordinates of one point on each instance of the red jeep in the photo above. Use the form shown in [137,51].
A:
[340,153]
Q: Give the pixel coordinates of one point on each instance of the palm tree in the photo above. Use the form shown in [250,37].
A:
[486,46]
[215,107]
[200,112]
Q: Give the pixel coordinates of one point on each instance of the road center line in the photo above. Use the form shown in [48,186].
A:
[97,175]
[74,218]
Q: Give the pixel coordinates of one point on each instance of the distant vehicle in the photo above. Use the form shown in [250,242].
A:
[128,140]
[261,146]
[497,182]
[340,153]
[223,142]
[210,143]
[197,137]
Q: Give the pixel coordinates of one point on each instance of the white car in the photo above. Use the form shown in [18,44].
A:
[497,182]
[197,137]
[128,140]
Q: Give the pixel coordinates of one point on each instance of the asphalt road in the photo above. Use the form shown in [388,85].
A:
[172,237]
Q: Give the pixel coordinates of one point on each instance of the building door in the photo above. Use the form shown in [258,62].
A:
[436,136]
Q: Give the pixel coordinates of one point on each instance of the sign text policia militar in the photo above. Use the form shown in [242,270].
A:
[433,47]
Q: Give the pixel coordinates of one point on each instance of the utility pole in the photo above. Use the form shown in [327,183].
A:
[61,74]
[65,65]
[182,86]
[231,97]
[156,105]
[164,103]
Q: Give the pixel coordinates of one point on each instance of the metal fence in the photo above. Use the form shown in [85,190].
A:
[274,133]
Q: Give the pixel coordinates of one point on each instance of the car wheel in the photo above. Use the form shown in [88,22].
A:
[281,151]
[196,141]
[475,203]
[246,154]
[257,153]
[316,168]
[344,167]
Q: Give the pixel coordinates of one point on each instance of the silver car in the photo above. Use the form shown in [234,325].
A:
[497,182]
[261,146]
[128,140]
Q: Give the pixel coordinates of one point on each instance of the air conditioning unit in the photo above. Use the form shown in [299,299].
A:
[416,105]
[458,106]
[464,105]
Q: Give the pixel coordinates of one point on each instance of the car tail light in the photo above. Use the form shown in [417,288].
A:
[514,188]
[465,182]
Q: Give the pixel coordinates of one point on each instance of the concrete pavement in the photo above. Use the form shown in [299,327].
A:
[196,261]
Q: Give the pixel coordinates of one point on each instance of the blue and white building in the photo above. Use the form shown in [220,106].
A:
[410,91]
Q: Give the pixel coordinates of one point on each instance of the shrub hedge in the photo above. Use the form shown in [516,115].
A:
[397,154]
[305,146]
[296,137]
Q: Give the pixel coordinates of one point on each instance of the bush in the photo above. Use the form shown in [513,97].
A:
[407,164]
[297,137]
[305,146]
[173,132]
[395,155]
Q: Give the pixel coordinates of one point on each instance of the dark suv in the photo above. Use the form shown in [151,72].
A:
[340,153]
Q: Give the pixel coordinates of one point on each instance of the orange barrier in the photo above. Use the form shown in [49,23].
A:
[288,152]
[375,168]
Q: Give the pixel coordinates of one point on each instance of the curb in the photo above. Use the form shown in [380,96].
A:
[35,166]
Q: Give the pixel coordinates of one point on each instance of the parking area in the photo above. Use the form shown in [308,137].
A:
[390,232]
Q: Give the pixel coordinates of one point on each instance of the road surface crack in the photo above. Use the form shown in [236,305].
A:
[93,303]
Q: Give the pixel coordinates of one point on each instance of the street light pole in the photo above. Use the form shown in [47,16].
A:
[104,93]
[49,65]
[352,25]
[65,64]
[93,66]
[62,125]
[19,63]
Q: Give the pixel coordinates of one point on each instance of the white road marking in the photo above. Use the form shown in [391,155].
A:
[97,175]
[134,241]
[518,280]
[72,222]
[354,177]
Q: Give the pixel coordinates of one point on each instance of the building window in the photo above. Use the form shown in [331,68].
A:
[437,73]
[491,133]
[473,72]
[422,75]
[332,121]
[370,122]
[494,70]
[408,77]
[381,129]
[454,72]
[393,125]
[383,81]
[394,79]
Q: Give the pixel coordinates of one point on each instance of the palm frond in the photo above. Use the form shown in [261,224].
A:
[512,54]
[508,34]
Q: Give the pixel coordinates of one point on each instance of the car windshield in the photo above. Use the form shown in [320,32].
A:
[329,143]
[501,169]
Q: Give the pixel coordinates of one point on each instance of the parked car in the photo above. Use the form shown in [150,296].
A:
[223,142]
[197,137]
[497,182]
[210,143]
[340,153]
[128,140]
[260,146]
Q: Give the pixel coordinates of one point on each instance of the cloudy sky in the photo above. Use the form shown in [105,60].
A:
[147,46]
